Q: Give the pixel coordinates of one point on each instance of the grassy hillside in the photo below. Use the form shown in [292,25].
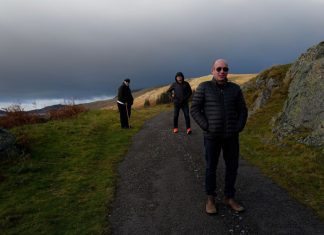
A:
[296,167]
[66,183]
[152,94]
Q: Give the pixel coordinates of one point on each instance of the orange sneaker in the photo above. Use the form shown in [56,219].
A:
[175,130]
[189,131]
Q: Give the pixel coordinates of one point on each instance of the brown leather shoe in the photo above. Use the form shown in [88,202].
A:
[211,205]
[233,204]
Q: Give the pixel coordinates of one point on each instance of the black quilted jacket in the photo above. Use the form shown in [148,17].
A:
[182,92]
[125,94]
[219,110]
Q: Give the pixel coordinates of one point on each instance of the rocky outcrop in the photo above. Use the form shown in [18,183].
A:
[7,144]
[264,85]
[304,108]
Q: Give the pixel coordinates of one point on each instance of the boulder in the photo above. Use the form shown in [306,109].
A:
[303,110]
[262,99]
[7,144]
[264,85]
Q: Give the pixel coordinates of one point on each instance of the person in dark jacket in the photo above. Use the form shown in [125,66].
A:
[180,92]
[125,102]
[219,108]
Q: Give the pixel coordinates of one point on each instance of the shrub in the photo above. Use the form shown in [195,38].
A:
[16,116]
[67,111]
[147,103]
[164,98]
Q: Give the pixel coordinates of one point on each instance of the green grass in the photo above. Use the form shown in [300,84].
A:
[67,182]
[295,167]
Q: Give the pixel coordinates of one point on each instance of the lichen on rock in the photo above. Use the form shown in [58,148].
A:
[304,107]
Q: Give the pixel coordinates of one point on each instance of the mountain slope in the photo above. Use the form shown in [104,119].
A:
[152,94]
[303,111]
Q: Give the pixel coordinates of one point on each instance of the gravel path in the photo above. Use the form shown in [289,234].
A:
[161,191]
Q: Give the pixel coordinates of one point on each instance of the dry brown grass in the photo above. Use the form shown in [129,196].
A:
[154,94]
[16,116]
[66,112]
[150,95]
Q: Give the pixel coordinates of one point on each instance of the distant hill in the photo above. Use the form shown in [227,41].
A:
[41,111]
[47,109]
[111,103]
[152,94]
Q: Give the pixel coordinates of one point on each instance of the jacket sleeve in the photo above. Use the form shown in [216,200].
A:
[170,88]
[169,91]
[121,94]
[197,108]
[242,111]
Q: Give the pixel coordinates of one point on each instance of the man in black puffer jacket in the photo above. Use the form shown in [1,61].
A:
[218,107]
[180,92]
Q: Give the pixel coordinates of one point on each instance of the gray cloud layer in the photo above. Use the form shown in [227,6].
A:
[80,49]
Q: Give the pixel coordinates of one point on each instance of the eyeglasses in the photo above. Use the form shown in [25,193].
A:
[225,69]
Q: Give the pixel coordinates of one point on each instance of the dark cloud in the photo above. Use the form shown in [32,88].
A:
[83,49]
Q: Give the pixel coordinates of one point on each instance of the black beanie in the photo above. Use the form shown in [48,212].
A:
[127,80]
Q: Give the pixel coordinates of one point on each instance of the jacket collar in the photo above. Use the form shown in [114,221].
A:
[218,84]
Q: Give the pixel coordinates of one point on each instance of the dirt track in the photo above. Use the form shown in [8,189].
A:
[161,191]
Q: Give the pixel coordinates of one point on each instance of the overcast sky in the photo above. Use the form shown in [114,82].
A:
[83,49]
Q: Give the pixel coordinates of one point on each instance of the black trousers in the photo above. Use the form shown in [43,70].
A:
[213,147]
[185,110]
[123,112]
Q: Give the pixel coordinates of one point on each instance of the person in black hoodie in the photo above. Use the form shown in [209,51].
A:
[125,102]
[180,92]
[219,108]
